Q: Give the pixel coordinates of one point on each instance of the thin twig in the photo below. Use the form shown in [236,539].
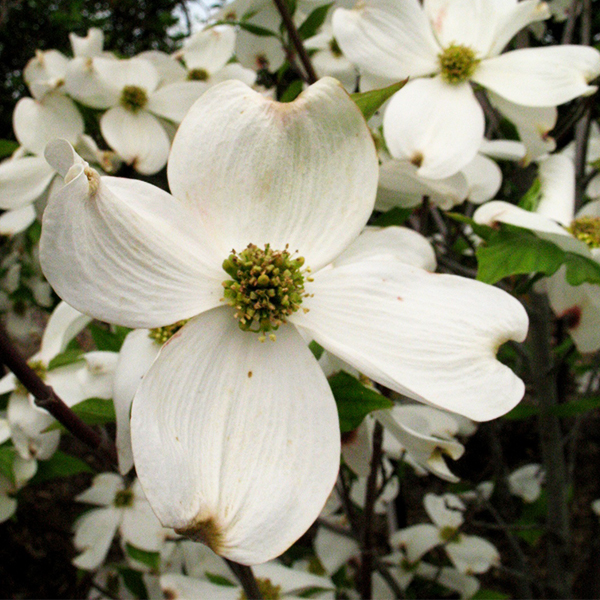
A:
[367,545]
[246,578]
[46,398]
[290,26]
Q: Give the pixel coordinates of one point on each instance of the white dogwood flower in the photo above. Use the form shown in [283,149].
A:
[435,120]
[236,442]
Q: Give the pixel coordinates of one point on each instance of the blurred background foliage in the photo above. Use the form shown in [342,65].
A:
[130,26]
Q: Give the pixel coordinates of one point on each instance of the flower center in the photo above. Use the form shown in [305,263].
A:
[123,498]
[449,534]
[267,590]
[265,288]
[457,63]
[197,75]
[335,48]
[133,98]
[39,368]
[163,334]
[587,229]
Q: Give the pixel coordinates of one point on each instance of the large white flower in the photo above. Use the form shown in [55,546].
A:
[236,442]
[435,121]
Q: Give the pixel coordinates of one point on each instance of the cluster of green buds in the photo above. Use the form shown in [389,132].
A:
[124,498]
[161,335]
[197,75]
[267,589]
[587,229]
[265,288]
[133,98]
[457,63]
[39,368]
[449,534]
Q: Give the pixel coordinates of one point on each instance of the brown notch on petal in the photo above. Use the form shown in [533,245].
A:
[170,594]
[416,159]
[348,437]
[205,531]
[571,317]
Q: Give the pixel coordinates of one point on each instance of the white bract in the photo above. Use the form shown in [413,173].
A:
[91,376]
[123,509]
[236,442]
[435,120]
[526,482]
[554,220]
[469,553]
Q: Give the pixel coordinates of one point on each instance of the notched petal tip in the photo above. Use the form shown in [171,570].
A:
[61,156]
[206,531]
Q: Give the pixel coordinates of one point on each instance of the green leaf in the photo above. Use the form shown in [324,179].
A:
[134,582]
[520,412]
[219,579]
[483,231]
[354,400]
[487,594]
[316,349]
[314,21]
[532,197]
[369,102]
[394,216]
[60,465]
[7,147]
[109,340]
[514,251]
[581,269]
[292,91]
[68,357]
[7,457]
[257,30]
[150,559]
[576,407]
[95,411]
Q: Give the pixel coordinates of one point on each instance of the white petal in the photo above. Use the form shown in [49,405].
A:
[138,138]
[94,532]
[579,306]
[503,149]
[27,426]
[8,507]
[173,101]
[390,243]
[292,581]
[23,180]
[137,354]
[532,122]
[401,185]
[445,511]
[130,254]
[118,74]
[498,211]
[387,38]
[169,69]
[103,490]
[420,323]
[15,221]
[240,443]
[84,84]
[90,45]
[209,49]
[185,588]
[541,76]
[416,540]
[434,125]
[46,67]
[484,178]
[557,178]
[513,20]
[356,449]
[307,176]
[469,23]
[141,528]
[64,324]
[38,122]
[233,71]
[526,482]
[334,549]
[472,554]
